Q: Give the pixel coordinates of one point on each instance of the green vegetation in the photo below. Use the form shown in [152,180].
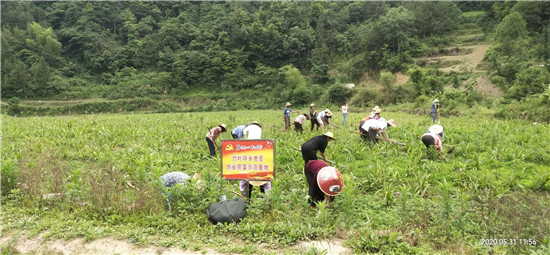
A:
[100,173]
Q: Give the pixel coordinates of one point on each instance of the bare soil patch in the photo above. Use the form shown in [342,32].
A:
[401,78]
[487,88]
[26,245]
[470,61]
[330,246]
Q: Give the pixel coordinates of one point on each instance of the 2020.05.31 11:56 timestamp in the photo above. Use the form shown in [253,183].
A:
[509,241]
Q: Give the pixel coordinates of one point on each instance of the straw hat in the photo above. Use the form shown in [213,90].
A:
[376,109]
[391,122]
[436,129]
[288,104]
[330,134]
[257,183]
[256,123]
[312,105]
[223,126]
[329,113]
[436,101]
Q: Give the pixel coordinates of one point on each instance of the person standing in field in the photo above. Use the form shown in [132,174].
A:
[344,112]
[211,138]
[313,116]
[253,131]
[434,137]
[317,143]
[433,110]
[286,115]
[237,133]
[324,182]
[299,121]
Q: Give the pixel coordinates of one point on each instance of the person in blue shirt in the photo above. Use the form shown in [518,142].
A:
[286,115]
[435,105]
[237,133]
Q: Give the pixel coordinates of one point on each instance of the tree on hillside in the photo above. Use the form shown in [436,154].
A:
[434,18]
[510,53]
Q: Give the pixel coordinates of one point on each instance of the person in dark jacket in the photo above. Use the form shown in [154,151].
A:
[317,143]
[313,117]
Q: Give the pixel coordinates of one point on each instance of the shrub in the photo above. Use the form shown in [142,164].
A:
[338,93]
[365,97]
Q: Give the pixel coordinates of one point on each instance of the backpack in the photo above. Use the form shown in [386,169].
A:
[232,210]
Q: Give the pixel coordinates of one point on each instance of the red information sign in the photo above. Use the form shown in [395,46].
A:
[248,159]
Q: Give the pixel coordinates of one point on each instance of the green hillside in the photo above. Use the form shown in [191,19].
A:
[181,53]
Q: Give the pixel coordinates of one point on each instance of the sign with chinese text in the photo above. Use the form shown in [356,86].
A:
[248,159]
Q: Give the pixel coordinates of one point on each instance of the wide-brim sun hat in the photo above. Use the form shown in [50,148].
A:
[288,104]
[223,126]
[376,109]
[312,105]
[436,101]
[257,183]
[329,113]
[436,129]
[391,122]
[256,123]
[330,134]
[330,181]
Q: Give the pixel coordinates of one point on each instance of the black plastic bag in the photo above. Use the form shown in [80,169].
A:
[227,211]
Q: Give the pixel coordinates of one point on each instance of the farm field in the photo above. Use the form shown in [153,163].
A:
[95,176]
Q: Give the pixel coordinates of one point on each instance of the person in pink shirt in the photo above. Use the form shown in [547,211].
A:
[211,137]
[434,137]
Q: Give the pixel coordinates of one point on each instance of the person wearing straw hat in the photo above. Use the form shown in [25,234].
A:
[313,117]
[375,130]
[253,131]
[211,137]
[327,116]
[299,121]
[317,143]
[237,132]
[433,110]
[324,181]
[375,114]
[286,115]
[434,137]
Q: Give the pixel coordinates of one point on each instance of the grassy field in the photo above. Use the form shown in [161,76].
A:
[94,176]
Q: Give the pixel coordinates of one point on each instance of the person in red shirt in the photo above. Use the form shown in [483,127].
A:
[324,181]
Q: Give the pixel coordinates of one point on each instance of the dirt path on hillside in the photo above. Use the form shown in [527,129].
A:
[25,244]
[471,60]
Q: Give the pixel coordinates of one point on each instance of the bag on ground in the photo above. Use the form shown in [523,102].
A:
[227,211]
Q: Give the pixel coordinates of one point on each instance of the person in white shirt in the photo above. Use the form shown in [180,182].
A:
[345,112]
[253,131]
[299,121]
[376,129]
[321,118]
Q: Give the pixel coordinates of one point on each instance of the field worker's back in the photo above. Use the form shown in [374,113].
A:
[253,132]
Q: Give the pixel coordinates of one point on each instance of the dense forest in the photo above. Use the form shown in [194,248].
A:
[235,55]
